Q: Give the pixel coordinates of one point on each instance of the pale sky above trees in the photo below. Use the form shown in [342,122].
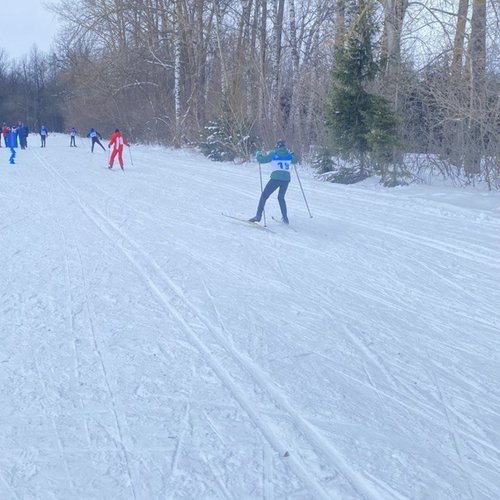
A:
[23,26]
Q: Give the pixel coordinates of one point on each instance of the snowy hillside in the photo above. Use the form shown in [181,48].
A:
[153,349]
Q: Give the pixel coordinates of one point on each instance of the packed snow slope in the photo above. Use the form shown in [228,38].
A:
[153,349]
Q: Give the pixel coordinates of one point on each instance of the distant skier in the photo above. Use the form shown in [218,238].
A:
[23,132]
[117,141]
[73,133]
[11,142]
[43,135]
[281,159]
[5,131]
[95,136]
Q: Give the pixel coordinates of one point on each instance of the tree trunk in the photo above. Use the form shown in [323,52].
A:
[477,52]
[177,72]
[455,128]
[340,26]
[394,13]
[279,8]
[263,104]
[458,43]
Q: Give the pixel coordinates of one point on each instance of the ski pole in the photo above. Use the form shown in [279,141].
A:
[130,154]
[261,191]
[302,189]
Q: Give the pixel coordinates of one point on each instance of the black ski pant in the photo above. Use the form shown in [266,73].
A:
[95,140]
[270,188]
[72,142]
[44,138]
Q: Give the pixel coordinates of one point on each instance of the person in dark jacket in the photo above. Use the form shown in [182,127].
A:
[23,132]
[281,160]
[95,136]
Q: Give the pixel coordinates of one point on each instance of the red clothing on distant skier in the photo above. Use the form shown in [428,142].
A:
[117,141]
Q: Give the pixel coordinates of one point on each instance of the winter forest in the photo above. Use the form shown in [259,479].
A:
[402,89]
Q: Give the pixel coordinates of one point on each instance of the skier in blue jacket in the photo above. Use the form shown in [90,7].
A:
[23,132]
[281,160]
[95,136]
[11,142]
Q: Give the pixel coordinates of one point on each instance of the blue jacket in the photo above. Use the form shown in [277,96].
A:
[94,133]
[23,131]
[281,160]
[12,139]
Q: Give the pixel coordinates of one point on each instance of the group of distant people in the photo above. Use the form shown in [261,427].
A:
[17,135]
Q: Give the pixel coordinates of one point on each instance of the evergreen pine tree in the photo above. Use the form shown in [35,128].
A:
[362,125]
[226,138]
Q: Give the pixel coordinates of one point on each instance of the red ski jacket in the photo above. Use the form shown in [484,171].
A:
[117,141]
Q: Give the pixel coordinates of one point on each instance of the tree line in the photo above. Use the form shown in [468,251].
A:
[396,87]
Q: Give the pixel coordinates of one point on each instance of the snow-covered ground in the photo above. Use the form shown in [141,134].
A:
[153,349]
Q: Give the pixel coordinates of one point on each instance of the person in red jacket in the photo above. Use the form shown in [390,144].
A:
[5,132]
[117,141]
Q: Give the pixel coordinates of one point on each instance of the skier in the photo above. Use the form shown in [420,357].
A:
[23,133]
[72,134]
[117,141]
[95,136]
[11,142]
[43,135]
[281,159]
[5,131]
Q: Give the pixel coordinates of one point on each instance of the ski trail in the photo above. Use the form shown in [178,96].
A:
[9,488]
[70,329]
[370,355]
[178,448]
[57,435]
[268,486]
[216,475]
[213,303]
[448,248]
[114,410]
[214,429]
[400,213]
[96,347]
[317,441]
[453,433]
[69,301]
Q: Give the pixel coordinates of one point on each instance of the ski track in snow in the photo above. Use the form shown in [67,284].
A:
[162,367]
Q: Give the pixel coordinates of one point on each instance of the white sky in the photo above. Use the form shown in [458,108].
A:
[24,24]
